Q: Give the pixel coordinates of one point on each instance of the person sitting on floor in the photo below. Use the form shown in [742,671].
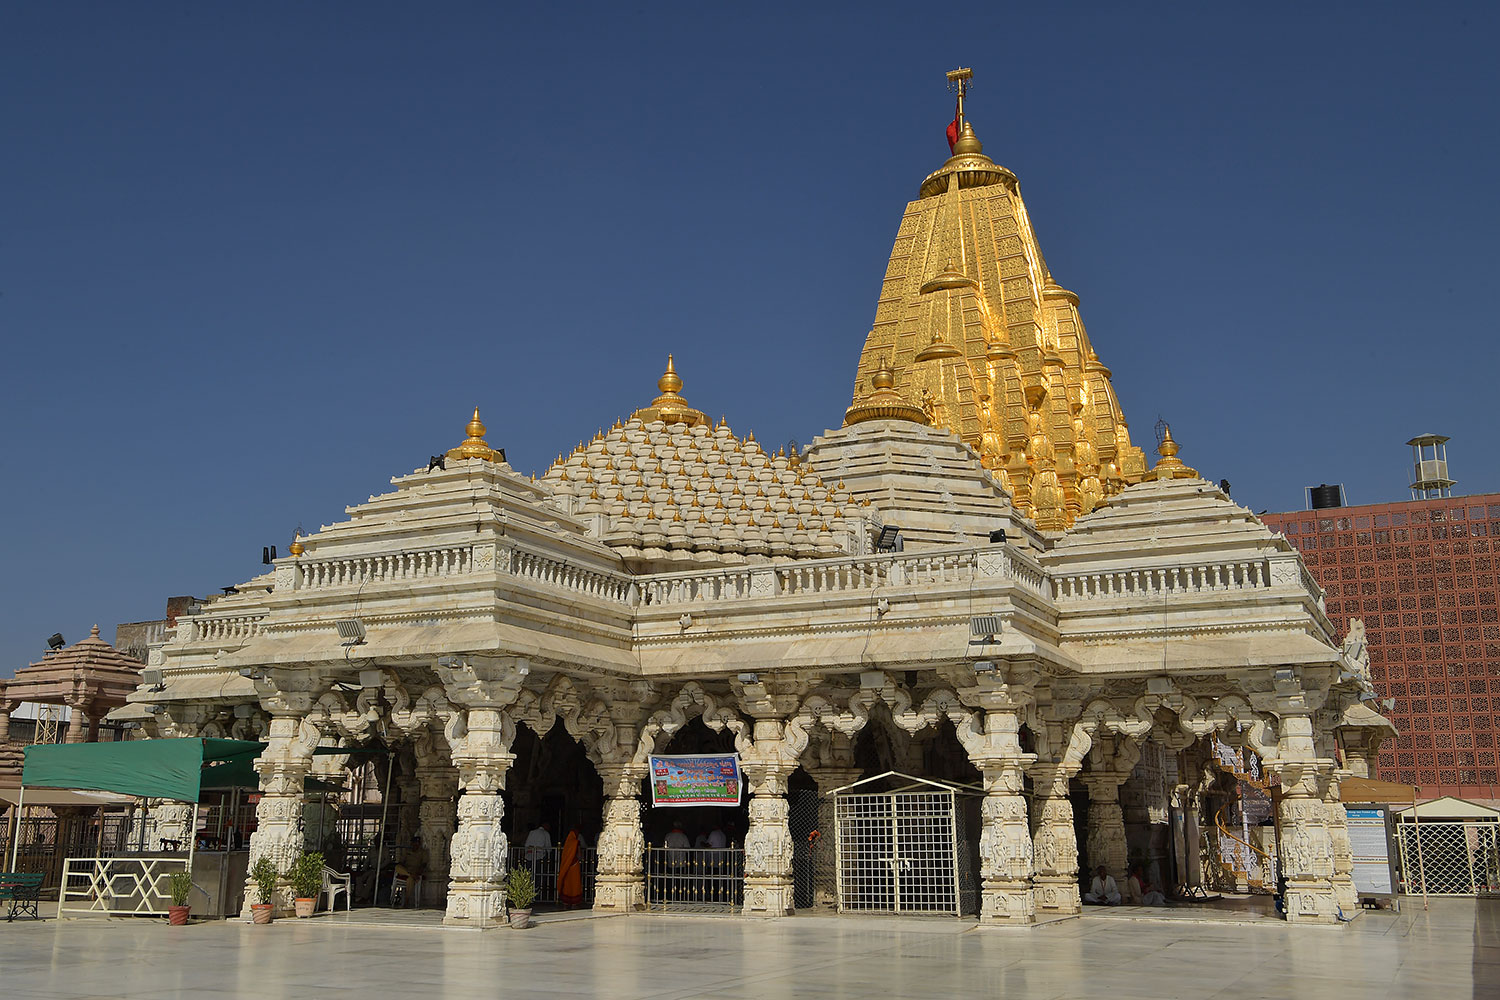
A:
[1103,889]
[1139,891]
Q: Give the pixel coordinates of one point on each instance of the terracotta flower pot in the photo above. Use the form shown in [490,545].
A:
[520,919]
[178,915]
[305,907]
[260,913]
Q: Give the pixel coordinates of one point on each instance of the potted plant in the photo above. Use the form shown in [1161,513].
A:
[521,891]
[263,875]
[181,885]
[306,878]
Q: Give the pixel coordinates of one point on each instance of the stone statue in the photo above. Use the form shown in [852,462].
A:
[1357,652]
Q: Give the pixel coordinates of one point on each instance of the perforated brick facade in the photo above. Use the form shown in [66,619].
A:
[1421,574]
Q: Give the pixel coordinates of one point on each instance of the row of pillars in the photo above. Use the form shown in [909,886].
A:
[83,726]
[1028,855]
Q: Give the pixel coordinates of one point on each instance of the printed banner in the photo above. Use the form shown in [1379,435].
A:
[1370,844]
[696,780]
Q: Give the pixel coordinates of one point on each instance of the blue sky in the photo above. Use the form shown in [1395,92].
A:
[257,259]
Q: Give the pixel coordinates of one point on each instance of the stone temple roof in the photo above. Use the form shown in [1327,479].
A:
[87,669]
[690,492]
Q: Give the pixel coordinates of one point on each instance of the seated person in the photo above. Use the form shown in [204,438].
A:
[1140,892]
[1102,889]
[413,865]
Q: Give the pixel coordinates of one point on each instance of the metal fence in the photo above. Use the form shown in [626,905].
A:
[897,852]
[1450,858]
[545,863]
[45,842]
[698,878]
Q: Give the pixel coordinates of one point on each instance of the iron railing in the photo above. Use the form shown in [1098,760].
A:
[698,878]
[545,863]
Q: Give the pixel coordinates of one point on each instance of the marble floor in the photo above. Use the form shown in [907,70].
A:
[1451,951]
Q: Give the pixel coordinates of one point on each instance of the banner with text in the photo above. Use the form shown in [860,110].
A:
[696,780]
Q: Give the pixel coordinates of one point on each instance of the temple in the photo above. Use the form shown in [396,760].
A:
[976,582]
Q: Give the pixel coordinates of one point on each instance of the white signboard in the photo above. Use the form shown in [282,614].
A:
[1371,848]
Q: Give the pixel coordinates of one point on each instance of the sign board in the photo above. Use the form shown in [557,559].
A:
[696,780]
[1369,840]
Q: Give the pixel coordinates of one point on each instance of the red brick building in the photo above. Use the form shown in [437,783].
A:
[1422,576]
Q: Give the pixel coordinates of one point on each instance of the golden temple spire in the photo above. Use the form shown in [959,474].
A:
[1001,330]
[474,446]
[1170,466]
[670,407]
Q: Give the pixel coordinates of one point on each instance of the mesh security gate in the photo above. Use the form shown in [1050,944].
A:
[1453,858]
[897,850]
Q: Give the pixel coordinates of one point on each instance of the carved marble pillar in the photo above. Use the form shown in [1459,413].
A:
[1005,850]
[825,853]
[768,841]
[1343,851]
[5,710]
[282,766]
[1190,802]
[437,788]
[1054,842]
[170,821]
[1109,765]
[1307,863]
[619,881]
[480,849]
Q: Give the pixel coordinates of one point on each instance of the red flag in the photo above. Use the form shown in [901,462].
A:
[953,129]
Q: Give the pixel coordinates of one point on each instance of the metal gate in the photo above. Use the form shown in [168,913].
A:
[897,848]
[1450,858]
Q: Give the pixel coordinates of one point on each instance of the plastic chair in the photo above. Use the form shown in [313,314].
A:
[411,891]
[333,884]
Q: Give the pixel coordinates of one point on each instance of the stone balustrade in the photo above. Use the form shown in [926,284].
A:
[846,574]
[241,625]
[1163,581]
[613,587]
[358,571]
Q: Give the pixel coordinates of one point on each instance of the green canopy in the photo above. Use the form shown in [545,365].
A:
[164,768]
[180,769]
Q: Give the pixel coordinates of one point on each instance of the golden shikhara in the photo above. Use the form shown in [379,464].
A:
[978,335]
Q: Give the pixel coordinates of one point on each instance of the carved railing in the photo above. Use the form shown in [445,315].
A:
[238,625]
[561,573]
[846,574]
[1163,581]
[358,571]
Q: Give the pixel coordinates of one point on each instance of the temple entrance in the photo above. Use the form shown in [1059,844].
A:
[695,858]
[553,788]
[897,846]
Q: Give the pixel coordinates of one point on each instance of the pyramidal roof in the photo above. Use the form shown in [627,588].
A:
[981,338]
[670,486]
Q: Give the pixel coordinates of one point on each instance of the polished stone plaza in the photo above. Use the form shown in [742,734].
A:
[1452,951]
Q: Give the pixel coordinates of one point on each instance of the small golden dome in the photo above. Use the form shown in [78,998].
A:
[938,349]
[296,548]
[884,402]
[670,407]
[967,142]
[474,446]
[1170,466]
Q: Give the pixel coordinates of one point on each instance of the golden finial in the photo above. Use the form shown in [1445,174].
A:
[884,403]
[1170,466]
[296,548]
[670,407]
[474,446]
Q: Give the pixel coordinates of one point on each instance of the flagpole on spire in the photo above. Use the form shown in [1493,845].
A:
[958,82]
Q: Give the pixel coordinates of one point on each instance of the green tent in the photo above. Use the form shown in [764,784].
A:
[180,769]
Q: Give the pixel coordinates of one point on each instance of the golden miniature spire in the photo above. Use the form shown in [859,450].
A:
[297,548]
[1170,466]
[474,446]
[885,403]
[670,407]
